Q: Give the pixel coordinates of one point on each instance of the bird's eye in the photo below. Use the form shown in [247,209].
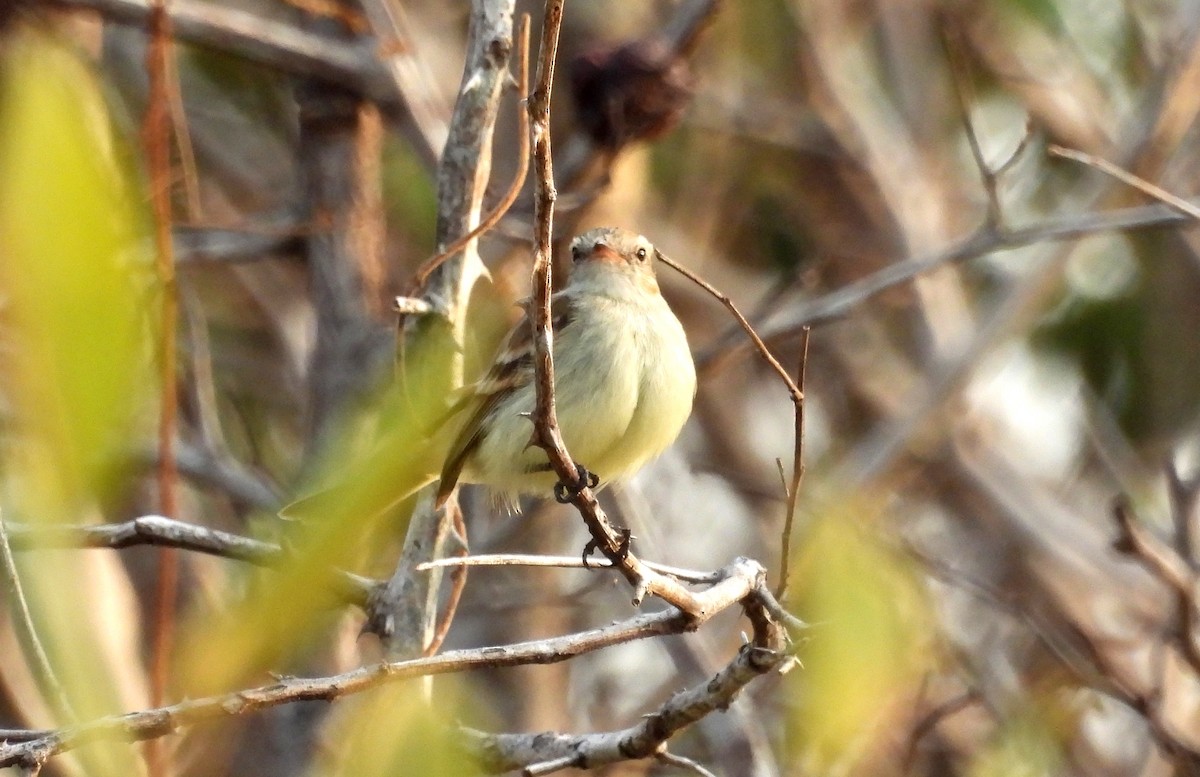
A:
[576,252]
[641,254]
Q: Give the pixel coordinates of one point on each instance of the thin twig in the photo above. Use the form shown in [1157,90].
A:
[793,492]
[687,764]
[189,172]
[157,530]
[458,582]
[837,304]
[960,77]
[1127,178]
[793,390]
[1161,560]
[931,719]
[561,562]
[514,189]
[1022,144]
[1153,553]
[26,632]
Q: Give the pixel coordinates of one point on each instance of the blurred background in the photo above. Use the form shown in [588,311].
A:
[995,534]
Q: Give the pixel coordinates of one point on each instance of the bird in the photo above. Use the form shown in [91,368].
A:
[624,379]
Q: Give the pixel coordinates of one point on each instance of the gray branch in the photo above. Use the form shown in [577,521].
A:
[166,532]
[404,611]
[987,240]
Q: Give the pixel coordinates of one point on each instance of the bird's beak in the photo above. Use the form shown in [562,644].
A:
[602,252]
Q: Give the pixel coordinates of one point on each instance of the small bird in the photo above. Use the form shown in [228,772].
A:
[624,378]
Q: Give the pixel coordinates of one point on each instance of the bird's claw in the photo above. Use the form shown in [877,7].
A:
[622,548]
[565,492]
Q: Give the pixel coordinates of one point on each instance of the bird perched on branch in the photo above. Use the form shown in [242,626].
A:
[624,378]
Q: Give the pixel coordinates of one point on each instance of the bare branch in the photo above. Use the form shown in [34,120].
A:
[279,46]
[1127,178]
[739,581]
[226,244]
[545,420]
[514,189]
[1162,560]
[837,304]
[960,76]
[404,611]
[166,532]
[546,752]
[562,562]
[793,390]
[222,472]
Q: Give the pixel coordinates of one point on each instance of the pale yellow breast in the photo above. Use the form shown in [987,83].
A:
[624,384]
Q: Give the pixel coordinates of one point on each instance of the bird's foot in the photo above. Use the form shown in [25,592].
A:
[565,492]
[622,548]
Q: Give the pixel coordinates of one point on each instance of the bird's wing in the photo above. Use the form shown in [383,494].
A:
[511,370]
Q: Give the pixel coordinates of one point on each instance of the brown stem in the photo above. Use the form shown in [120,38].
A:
[793,492]
[156,131]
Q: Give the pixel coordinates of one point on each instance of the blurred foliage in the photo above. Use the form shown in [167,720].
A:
[869,645]
[360,488]
[77,279]
[1026,746]
[408,193]
[393,730]
[77,285]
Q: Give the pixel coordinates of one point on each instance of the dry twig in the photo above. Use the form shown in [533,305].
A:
[793,489]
